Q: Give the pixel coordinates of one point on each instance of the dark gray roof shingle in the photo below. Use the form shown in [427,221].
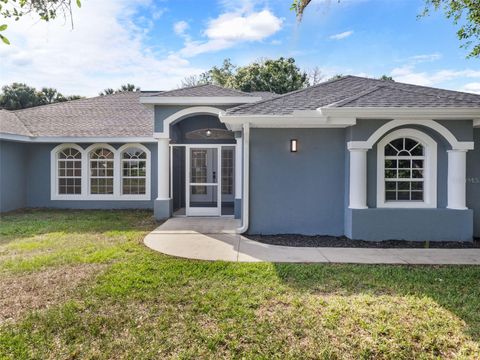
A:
[117,115]
[352,91]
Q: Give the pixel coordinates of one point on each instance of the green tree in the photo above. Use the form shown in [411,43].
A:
[50,96]
[278,76]
[107,91]
[19,96]
[128,87]
[46,10]
[386,78]
[123,88]
[465,13]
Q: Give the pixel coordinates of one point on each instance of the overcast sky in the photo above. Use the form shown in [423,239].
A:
[155,44]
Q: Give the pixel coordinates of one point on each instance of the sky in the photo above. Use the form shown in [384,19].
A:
[157,43]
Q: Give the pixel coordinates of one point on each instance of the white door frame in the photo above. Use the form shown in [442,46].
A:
[214,211]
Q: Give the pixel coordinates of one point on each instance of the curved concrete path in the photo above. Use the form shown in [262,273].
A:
[215,239]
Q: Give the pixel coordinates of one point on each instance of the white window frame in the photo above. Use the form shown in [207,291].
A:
[145,196]
[55,195]
[88,152]
[430,170]
[85,191]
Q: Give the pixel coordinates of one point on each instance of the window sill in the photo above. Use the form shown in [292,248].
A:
[406,205]
[101,198]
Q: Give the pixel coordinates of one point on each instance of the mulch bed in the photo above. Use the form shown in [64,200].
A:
[332,241]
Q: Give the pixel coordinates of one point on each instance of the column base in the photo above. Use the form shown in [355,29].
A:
[162,208]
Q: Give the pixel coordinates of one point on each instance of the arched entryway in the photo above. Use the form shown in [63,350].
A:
[202,173]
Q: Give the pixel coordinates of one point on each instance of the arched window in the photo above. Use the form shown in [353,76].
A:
[404,165]
[134,171]
[406,170]
[69,171]
[101,167]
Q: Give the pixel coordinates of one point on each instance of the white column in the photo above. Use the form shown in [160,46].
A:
[238,168]
[358,179]
[457,179]
[163,171]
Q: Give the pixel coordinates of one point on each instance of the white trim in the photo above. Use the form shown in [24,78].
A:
[476,123]
[438,113]
[442,130]
[430,172]
[54,195]
[195,110]
[358,179]
[75,139]
[299,119]
[457,179]
[238,168]
[163,169]
[198,100]
[116,179]
[85,192]
[148,172]
[246,180]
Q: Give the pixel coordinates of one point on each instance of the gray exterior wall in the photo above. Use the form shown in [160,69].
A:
[473,182]
[307,192]
[34,176]
[409,224]
[299,192]
[13,171]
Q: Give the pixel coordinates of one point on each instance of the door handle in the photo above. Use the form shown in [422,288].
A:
[214,176]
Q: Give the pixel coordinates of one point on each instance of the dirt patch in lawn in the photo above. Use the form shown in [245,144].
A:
[20,294]
[333,241]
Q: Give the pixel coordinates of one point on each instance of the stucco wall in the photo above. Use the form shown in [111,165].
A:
[299,192]
[13,170]
[473,181]
[38,182]
[161,112]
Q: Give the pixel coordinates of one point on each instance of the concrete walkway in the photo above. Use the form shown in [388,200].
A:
[215,239]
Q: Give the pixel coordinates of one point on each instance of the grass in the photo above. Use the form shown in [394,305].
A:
[105,295]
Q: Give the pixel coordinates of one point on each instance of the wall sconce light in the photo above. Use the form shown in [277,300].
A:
[293,145]
[208,133]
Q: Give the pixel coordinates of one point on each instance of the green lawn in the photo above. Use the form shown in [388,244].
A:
[81,284]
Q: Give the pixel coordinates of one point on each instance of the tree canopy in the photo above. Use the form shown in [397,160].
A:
[466,14]
[46,10]
[278,76]
[123,88]
[21,96]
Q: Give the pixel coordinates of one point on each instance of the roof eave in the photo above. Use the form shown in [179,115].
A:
[438,113]
[198,100]
[79,139]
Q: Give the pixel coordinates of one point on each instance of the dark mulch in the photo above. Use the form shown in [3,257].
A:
[332,241]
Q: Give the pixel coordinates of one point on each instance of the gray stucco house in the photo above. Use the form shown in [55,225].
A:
[359,157]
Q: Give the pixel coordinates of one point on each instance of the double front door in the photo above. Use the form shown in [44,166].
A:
[209,179]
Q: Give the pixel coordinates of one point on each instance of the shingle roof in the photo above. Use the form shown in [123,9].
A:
[352,91]
[11,124]
[116,115]
[205,90]
[122,114]
[265,95]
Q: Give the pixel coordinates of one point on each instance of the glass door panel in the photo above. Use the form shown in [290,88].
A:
[203,198]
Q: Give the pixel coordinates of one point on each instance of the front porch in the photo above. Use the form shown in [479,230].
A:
[199,166]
